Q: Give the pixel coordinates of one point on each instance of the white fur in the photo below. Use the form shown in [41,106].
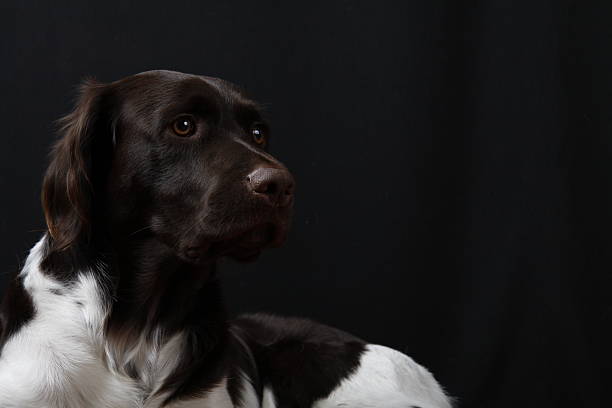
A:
[59,359]
[53,361]
[268,400]
[249,396]
[387,378]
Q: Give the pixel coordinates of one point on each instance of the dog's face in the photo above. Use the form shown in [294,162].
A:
[178,157]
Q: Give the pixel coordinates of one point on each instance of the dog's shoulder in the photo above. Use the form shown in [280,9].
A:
[50,355]
[306,364]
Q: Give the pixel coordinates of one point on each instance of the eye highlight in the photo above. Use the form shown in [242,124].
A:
[258,134]
[184,126]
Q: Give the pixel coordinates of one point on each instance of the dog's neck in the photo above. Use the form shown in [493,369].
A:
[149,286]
[155,289]
[152,297]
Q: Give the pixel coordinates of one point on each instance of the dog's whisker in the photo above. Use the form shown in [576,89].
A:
[148,227]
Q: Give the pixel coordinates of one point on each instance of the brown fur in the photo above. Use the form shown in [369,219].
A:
[67,187]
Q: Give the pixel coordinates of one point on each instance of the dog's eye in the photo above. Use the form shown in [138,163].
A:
[259,136]
[183,126]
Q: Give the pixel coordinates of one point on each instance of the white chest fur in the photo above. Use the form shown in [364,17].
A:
[60,359]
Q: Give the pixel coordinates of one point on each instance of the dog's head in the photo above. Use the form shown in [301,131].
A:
[176,157]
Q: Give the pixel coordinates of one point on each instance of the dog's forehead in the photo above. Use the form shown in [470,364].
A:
[163,86]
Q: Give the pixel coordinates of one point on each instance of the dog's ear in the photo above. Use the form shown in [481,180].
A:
[68,187]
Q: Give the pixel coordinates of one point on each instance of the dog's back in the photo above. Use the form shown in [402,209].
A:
[308,364]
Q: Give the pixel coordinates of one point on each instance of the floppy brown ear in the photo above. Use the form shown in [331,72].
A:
[67,191]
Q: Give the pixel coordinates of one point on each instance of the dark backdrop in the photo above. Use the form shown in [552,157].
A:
[453,162]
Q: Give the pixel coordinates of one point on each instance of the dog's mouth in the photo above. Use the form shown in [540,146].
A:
[243,246]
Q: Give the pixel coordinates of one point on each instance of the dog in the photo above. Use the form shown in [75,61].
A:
[154,178]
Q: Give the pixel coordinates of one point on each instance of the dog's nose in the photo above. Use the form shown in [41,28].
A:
[276,185]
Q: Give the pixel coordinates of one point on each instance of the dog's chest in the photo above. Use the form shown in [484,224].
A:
[61,359]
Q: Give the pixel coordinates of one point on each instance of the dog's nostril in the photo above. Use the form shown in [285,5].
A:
[267,188]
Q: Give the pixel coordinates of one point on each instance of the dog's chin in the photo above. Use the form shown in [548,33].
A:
[242,246]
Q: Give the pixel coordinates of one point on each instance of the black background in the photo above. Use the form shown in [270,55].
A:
[453,162]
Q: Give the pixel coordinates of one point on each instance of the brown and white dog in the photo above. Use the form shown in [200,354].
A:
[156,177]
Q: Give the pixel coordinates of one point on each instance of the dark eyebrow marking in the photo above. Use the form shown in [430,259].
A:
[248,113]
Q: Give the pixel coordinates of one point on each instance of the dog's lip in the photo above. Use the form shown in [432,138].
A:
[244,254]
[257,235]
[243,245]
[195,252]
